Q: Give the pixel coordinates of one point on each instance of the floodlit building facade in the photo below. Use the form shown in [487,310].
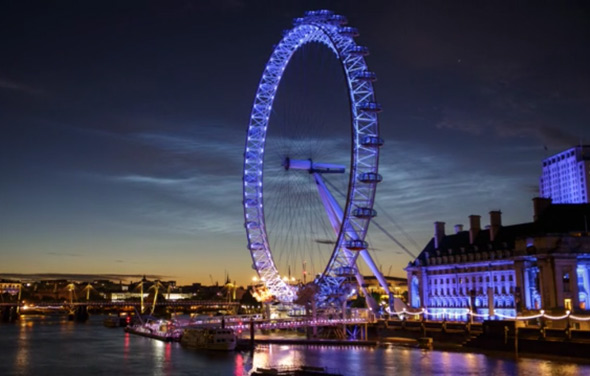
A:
[506,270]
[566,176]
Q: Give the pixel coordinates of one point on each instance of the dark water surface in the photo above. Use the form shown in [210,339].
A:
[54,346]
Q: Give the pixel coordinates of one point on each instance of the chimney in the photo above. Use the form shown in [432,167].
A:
[458,228]
[475,226]
[539,206]
[439,233]
[495,223]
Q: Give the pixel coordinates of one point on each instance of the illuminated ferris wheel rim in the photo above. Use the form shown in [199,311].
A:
[326,28]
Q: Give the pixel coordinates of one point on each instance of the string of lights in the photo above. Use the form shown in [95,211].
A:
[468,312]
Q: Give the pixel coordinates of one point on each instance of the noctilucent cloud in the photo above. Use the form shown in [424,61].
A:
[123,124]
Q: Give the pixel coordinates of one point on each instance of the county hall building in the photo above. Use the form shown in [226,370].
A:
[515,269]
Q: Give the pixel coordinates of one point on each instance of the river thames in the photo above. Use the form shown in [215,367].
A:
[51,345]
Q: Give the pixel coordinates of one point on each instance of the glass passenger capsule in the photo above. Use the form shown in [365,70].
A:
[369,106]
[366,76]
[356,245]
[251,225]
[256,246]
[349,31]
[359,51]
[298,21]
[370,177]
[372,141]
[364,212]
[338,19]
[324,12]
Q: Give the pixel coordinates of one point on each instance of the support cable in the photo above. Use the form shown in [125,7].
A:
[377,224]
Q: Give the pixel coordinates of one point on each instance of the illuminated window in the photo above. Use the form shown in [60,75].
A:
[567,304]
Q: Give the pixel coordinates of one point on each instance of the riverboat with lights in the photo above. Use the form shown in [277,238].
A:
[298,371]
[163,330]
[209,338]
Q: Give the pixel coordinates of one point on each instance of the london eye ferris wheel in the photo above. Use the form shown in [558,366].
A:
[311,161]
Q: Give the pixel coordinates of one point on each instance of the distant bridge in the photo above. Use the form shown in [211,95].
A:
[182,303]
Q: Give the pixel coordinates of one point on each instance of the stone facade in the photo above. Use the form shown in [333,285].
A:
[506,270]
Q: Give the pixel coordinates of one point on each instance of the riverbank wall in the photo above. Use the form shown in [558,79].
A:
[503,336]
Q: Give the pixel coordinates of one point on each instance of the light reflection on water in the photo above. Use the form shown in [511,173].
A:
[22,346]
[51,345]
[126,342]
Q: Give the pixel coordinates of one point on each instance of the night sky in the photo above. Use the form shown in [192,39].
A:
[123,123]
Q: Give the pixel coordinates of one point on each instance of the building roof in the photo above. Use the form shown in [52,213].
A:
[558,219]
[581,152]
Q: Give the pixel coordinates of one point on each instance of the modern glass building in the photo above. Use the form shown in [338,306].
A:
[506,270]
[566,176]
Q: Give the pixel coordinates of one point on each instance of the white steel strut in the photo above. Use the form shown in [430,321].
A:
[335,215]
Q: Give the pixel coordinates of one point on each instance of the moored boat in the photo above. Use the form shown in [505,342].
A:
[298,371]
[209,338]
[163,330]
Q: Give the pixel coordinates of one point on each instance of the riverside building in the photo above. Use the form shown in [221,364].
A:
[566,176]
[506,270]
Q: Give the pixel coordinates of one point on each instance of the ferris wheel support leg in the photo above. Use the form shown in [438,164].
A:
[335,216]
[371,303]
[377,273]
[331,206]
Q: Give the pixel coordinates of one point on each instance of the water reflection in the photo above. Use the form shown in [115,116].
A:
[126,346]
[21,360]
[261,358]
[168,352]
[547,367]
[287,356]
[67,327]
[239,369]
[445,361]
[158,357]
[32,347]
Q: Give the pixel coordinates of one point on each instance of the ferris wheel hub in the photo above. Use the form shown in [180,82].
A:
[312,167]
